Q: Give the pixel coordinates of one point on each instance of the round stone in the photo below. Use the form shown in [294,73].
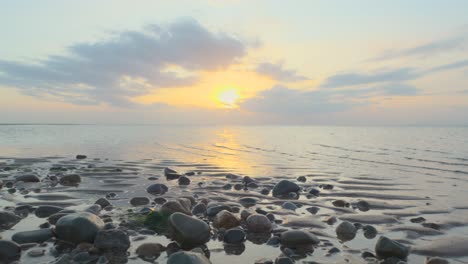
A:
[188,231]
[78,227]
[258,223]
[284,187]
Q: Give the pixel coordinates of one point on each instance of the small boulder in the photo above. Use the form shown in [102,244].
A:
[258,223]
[35,236]
[78,227]
[176,206]
[44,211]
[8,220]
[386,248]
[9,251]
[188,231]
[112,240]
[226,220]
[139,201]
[70,180]
[295,238]
[157,189]
[150,251]
[28,178]
[346,231]
[284,187]
[234,236]
[184,180]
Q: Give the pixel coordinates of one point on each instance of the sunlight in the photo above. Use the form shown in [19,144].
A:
[229,98]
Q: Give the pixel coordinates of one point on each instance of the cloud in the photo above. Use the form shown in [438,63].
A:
[459,42]
[128,64]
[277,72]
[285,101]
[450,66]
[349,79]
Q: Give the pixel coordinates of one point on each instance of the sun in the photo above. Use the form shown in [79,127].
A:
[229,98]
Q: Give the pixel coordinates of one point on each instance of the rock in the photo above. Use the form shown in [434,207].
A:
[245,214]
[314,192]
[418,220]
[70,180]
[79,156]
[35,253]
[199,209]
[189,232]
[36,236]
[386,248]
[339,203]
[183,180]
[263,261]
[55,217]
[265,191]
[289,206]
[313,209]
[234,236]
[184,257]
[94,209]
[28,178]
[103,202]
[157,189]
[301,179]
[8,220]
[346,231]
[284,260]
[226,220]
[247,179]
[274,241]
[78,227]
[363,206]
[369,231]
[150,251]
[258,224]
[169,171]
[214,210]
[436,260]
[295,238]
[177,206]
[9,251]
[284,187]
[112,240]
[252,185]
[238,186]
[139,201]
[44,211]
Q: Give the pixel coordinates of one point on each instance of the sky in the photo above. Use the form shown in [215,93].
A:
[234,62]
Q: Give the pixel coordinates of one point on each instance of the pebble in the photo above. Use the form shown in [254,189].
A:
[78,227]
[112,240]
[188,231]
[346,231]
[258,223]
[363,206]
[28,178]
[301,179]
[70,180]
[199,209]
[436,260]
[44,211]
[226,220]
[8,220]
[183,180]
[215,209]
[34,253]
[103,202]
[79,156]
[248,201]
[184,257]
[139,201]
[36,236]
[150,251]
[295,238]
[176,206]
[9,251]
[289,206]
[386,248]
[234,236]
[157,189]
[284,187]
[369,231]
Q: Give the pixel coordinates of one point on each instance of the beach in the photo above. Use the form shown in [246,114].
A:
[217,194]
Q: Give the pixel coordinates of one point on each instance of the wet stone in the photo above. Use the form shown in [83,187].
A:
[234,236]
[346,231]
[157,189]
[139,201]
[78,227]
[70,180]
[150,251]
[284,187]
[9,251]
[258,224]
[8,220]
[36,236]
[386,248]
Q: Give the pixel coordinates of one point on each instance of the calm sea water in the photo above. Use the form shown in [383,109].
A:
[419,162]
